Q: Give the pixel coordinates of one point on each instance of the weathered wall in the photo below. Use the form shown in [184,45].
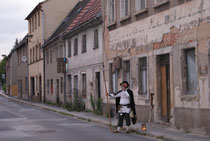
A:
[87,63]
[171,31]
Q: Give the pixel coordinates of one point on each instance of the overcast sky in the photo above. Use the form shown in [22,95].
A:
[12,22]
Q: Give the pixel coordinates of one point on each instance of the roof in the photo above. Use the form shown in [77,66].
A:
[67,21]
[22,42]
[38,6]
[89,12]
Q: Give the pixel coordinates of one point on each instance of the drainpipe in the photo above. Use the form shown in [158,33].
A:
[43,25]
[64,46]
[43,51]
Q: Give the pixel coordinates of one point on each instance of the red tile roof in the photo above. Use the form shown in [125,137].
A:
[89,12]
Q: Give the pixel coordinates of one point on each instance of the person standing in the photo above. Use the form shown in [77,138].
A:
[124,106]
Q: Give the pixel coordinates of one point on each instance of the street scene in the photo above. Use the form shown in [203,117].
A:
[105,70]
[19,122]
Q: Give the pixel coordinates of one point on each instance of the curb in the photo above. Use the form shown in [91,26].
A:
[93,120]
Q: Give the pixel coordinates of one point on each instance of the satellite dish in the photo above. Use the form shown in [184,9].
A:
[24,59]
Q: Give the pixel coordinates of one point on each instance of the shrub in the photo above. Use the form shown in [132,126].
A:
[76,105]
[96,105]
[4,87]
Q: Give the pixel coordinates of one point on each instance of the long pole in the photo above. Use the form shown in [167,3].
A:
[110,122]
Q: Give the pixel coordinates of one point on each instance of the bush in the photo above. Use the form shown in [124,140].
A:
[76,105]
[4,87]
[96,105]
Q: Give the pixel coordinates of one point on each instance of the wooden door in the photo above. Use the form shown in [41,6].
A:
[165,90]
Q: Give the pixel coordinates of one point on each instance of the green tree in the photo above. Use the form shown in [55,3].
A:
[2,70]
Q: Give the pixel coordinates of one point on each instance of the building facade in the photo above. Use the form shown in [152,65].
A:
[84,51]
[161,48]
[11,73]
[54,49]
[22,68]
[42,22]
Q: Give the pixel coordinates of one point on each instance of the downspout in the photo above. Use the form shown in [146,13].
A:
[43,25]
[44,100]
[43,50]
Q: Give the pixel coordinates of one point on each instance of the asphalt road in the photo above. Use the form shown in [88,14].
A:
[19,122]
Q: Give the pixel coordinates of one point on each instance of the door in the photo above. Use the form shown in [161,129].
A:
[165,87]
[57,91]
[98,85]
[32,87]
[40,88]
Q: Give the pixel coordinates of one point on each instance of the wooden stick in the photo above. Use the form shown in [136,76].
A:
[110,122]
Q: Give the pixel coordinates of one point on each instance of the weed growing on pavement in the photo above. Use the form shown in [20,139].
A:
[96,105]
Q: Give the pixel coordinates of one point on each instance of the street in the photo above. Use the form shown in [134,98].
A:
[19,122]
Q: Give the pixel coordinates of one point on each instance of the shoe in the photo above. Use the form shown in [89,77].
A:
[117,131]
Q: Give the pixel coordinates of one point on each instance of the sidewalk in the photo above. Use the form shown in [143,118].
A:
[153,130]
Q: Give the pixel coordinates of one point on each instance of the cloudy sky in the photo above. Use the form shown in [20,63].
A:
[12,22]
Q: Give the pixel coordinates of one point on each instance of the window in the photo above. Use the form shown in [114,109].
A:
[36,52]
[75,46]
[84,84]
[159,1]
[40,51]
[113,79]
[84,46]
[51,86]
[70,84]
[47,57]
[51,56]
[140,5]
[61,84]
[124,8]
[39,18]
[96,39]
[61,51]
[48,87]
[33,54]
[191,73]
[35,22]
[75,83]
[126,69]
[30,55]
[143,76]
[69,49]
[111,10]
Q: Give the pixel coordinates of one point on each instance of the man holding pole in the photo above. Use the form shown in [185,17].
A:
[124,106]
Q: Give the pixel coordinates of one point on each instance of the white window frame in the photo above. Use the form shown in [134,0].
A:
[123,9]
[140,78]
[111,15]
[138,5]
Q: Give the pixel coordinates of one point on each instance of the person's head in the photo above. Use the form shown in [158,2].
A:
[124,85]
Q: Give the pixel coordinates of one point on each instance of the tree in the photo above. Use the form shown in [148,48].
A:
[2,70]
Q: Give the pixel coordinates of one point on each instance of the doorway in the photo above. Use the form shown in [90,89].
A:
[98,85]
[57,91]
[40,88]
[32,87]
[164,85]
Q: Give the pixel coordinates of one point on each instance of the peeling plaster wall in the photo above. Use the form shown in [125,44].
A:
[171,31]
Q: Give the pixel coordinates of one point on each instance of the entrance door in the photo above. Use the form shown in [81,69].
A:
[165,87]
[40,88]
[98,85]
[57,91]
[32,87]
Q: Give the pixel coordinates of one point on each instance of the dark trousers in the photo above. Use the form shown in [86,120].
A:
[121,118]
